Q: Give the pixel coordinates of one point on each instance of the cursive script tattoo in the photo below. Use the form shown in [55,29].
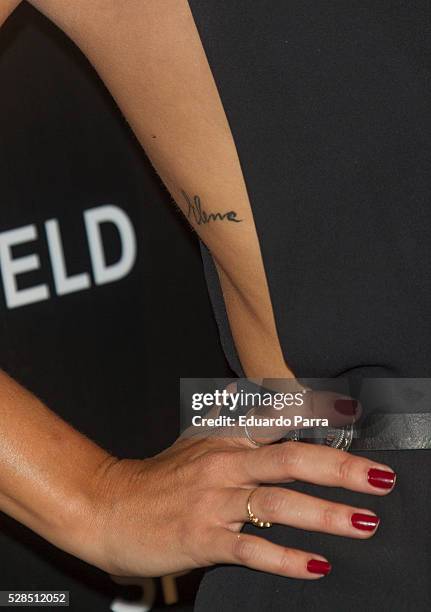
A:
[195,210]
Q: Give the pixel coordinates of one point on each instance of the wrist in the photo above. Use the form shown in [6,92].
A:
[80,526]
[98,520]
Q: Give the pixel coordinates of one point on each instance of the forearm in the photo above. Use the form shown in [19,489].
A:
[6,8]
[150,56]
[48,471]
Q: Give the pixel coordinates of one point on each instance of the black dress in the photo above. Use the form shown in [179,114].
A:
[329,105]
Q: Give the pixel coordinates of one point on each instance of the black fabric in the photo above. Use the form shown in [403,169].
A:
[329,105]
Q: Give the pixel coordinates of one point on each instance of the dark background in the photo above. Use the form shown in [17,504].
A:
[106,359]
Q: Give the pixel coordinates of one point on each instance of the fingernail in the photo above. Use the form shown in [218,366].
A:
[365,522]
[315,566]
[381,479]
[346,406]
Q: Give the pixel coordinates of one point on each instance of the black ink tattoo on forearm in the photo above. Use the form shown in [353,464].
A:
[201,217]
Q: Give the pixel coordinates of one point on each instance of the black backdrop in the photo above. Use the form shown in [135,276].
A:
[106,358]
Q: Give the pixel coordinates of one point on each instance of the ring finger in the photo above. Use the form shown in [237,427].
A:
[302,511]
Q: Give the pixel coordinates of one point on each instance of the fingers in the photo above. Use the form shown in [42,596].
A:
[266,417]
[317,464]
[309,409]
[301,511]
[259,554]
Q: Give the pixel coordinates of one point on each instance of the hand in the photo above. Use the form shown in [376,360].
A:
[185,507]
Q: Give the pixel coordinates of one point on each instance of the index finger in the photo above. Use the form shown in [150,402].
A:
[317,464]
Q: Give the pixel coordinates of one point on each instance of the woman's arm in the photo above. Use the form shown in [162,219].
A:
[149,54]
[185,507]
[48,471]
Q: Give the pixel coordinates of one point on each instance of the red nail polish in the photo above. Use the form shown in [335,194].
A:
[315,566]
[366,522]
[381,478]
[346,406]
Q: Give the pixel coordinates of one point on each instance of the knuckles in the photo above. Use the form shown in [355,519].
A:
[328,520]
[271,501]
[345,469]
[215,464]
[244,551]
[286,561]
[289,454]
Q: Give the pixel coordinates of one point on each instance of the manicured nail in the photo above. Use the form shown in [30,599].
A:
[381,478]
[346,406]
[365,522]
[315,566]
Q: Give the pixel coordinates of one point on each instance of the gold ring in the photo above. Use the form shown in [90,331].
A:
[252,517]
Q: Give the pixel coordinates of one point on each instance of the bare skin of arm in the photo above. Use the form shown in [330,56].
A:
[6,8]
[185,507]
[150,56]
